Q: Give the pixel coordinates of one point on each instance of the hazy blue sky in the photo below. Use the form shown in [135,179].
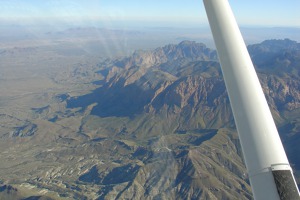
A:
[151,12]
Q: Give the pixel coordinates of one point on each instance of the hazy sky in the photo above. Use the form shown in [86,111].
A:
[149,12]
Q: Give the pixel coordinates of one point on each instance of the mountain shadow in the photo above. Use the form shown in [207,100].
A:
[115,101]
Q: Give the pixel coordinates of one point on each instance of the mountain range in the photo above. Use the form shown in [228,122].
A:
[178,90]
[159,126]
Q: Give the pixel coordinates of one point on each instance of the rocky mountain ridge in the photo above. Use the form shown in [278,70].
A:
[192,93]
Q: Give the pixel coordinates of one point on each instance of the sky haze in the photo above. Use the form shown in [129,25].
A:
[173,13]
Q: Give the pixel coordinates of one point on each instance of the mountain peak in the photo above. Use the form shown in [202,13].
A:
[191,43]
[274,46]
[184,50]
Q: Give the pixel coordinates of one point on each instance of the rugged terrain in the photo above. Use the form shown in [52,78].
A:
[153,125]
